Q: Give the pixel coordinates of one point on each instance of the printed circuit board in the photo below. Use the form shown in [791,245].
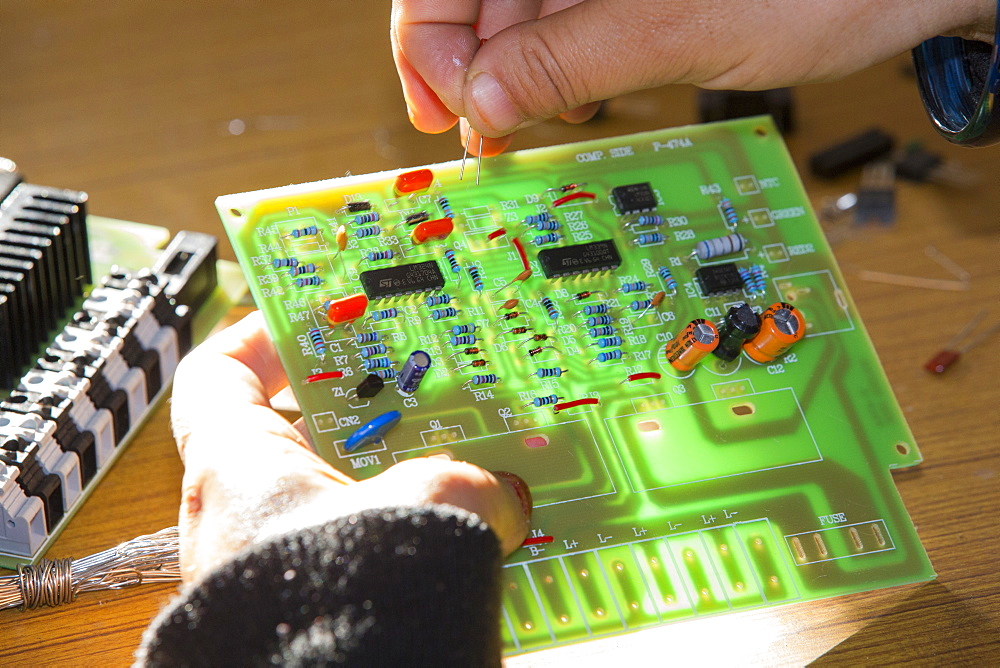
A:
[651,330]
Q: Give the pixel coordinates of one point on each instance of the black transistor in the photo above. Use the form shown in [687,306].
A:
[369,387]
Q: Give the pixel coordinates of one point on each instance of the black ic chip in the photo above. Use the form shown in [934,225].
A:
[719,279]
[579,259]
[405,279]
[634,198]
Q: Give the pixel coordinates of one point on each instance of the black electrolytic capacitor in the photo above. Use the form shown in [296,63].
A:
[741,323]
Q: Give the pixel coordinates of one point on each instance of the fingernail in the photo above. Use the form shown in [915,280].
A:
[520,488]
[492,103]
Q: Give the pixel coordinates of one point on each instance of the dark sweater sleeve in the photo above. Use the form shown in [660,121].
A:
[386,587]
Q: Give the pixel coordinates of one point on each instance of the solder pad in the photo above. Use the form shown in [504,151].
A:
[731,487]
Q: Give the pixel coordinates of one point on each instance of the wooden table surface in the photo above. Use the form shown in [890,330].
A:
[154,109]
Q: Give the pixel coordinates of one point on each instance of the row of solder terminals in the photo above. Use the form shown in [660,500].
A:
[762,334]
[65,419]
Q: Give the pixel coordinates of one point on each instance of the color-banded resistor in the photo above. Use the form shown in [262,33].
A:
[376,363]
[446,207]
[649,221]
[758,280]
[483,379]
[640,305]
[442,313]
[596,332]
[550,238]
[375,256]
[373,350]
[308,231]
[608,342]
[318,344]
[669,282]
[637,286]
[467,328]
[452,260]
[538,402]
[308,281]
[462,339]
[566,187]
[518,330]
[384,374]
[437,300]
[546,225]
[413,371]
[696,340]
[474,364]
[365,218]
[781,326]
[510,315]
[608,356]
[534,220]
[718,246]
[476,276]
[535,338]
[595,309]
[366,337]
[415,218]
[549,372]
[307,268]
[467,351]
[550,308]
[384,314]
[729,213]
[368,231]
[650,239]
[598,320]
[580,296]
[535,351]
[282,262]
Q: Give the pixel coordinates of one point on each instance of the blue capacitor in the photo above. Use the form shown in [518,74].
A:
[372,432]
[413,371]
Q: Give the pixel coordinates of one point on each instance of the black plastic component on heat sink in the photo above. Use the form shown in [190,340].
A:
[719,279]
[585,258]
[406,279]
[44,265]
[96,379]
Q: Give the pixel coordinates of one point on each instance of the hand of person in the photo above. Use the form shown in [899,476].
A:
[505,65]
[249,474]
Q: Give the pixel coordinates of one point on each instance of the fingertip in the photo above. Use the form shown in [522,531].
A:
[490,146]
[581,114]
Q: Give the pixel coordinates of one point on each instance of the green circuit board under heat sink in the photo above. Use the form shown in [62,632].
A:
[661,493]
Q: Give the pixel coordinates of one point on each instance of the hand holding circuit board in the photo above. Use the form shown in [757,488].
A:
[232,499]
[563,57]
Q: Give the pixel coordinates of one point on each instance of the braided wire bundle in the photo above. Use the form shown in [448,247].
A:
[145,559]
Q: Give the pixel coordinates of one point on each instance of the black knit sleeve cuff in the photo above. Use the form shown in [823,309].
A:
[393,586]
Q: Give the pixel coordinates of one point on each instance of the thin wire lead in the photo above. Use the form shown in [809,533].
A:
[465,154]
[479,159]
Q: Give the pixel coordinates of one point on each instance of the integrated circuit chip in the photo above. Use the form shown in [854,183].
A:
[719,279]
[402,280]
[580,259]
[634,198]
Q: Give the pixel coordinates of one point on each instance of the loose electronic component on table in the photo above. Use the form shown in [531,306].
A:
[667,404]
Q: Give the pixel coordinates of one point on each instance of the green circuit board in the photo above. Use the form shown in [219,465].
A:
[661,494]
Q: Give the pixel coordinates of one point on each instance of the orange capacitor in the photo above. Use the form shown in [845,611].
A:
[432,230]
[347,309]
[341,238]
[781,325]
[413,182]
[697,340]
